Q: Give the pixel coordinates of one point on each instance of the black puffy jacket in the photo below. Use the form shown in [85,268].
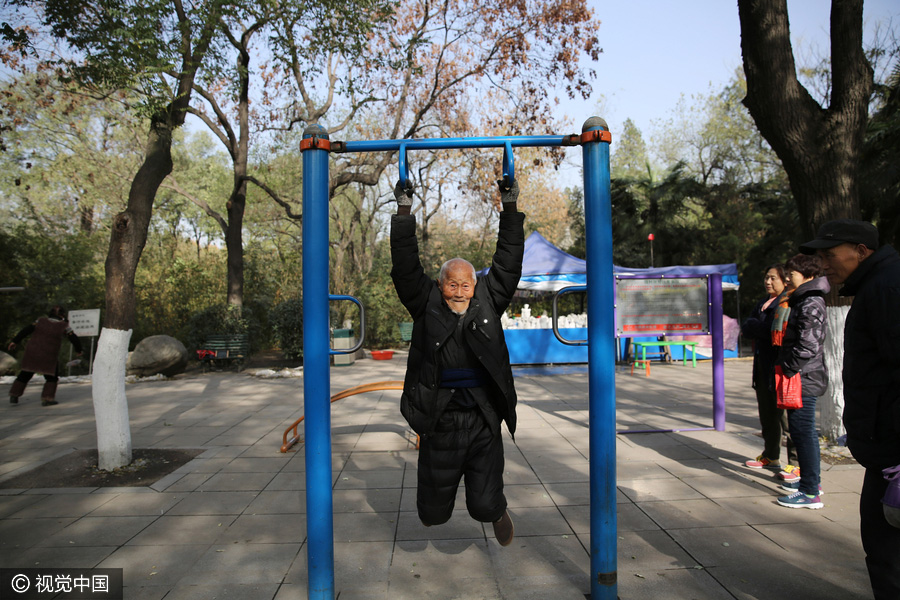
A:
[434,322]
[802,350]
[872,360]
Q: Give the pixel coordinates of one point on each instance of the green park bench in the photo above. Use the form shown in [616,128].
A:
[224,349]
[406,332]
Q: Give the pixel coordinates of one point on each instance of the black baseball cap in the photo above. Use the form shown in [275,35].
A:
[843,231]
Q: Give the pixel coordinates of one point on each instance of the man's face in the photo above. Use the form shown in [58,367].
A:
[840,261]
[458,287]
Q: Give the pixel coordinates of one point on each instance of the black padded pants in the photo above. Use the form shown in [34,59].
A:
[462,446]
[880,540]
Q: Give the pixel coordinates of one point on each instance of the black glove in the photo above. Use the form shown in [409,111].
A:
[404,193]
[508,193]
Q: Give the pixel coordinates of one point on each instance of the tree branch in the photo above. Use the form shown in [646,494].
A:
[274,196]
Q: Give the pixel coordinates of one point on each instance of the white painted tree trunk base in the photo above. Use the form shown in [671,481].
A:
[832,405]
[110,403]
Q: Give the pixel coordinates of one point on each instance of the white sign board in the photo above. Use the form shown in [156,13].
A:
[85,323]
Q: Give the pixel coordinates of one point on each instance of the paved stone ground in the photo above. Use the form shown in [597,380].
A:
[692,521]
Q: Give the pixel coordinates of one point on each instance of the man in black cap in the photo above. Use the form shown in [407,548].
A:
[871,274]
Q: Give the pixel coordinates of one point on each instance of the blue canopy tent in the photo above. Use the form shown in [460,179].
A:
[546,268]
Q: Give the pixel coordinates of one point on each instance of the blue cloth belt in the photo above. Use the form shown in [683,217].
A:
[464,378]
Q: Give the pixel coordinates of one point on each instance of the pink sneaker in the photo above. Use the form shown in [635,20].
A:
[762,462]
[790,473]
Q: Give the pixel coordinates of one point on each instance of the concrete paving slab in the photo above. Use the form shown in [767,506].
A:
[680,496]
[365,526]
[213,503]
[460,526]
[728,546]
[642,490]
[146,593]
[236,482]
[651,550]
[278,503]
[17,534]
[690,514]
[10,505]
[765,580]
[368,500]
[61,505]
[537,521]
[522,495]
[98,531]
[228,591]
[540,587]
[670,584]
[264,529]
[59,557]
[183,530]
[154,565]
[124,505]
[180,482]
[376,479]
[241,564]
[243,464]
[727,486]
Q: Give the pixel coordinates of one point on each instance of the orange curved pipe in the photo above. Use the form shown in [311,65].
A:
[360,389]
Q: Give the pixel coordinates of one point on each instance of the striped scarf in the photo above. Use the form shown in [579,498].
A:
[780,321]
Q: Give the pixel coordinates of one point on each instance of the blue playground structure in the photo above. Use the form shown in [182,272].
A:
[316,146]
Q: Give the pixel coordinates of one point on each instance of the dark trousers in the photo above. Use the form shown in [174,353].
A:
[774,424]
[462,446]
[22,379]
[802,422]
[881,541]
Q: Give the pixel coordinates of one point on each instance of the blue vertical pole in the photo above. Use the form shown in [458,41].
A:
[316,375]
[716,329]
[601,358]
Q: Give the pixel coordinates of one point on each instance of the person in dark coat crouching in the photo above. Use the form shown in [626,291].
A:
[871,374]
[459,384]
[41,354]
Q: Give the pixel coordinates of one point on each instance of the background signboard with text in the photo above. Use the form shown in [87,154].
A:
[85,323]
[646,307]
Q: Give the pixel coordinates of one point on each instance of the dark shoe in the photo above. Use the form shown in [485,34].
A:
[48,402]
[13,399]
[504,530]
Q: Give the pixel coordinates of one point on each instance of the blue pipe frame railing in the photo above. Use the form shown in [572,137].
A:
[594,140]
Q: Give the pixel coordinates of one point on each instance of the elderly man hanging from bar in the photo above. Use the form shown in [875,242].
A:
[459,384]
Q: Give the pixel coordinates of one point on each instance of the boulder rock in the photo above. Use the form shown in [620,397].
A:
[161,354]
[7,363]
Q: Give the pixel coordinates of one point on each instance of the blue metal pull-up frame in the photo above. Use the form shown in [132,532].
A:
[594,141]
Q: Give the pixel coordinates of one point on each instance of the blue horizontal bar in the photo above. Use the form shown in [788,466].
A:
[453,143]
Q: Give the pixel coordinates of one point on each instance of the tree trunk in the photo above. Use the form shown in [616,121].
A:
[819,147]
[129,235]
[832,406]
[110,403]
[234,241]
